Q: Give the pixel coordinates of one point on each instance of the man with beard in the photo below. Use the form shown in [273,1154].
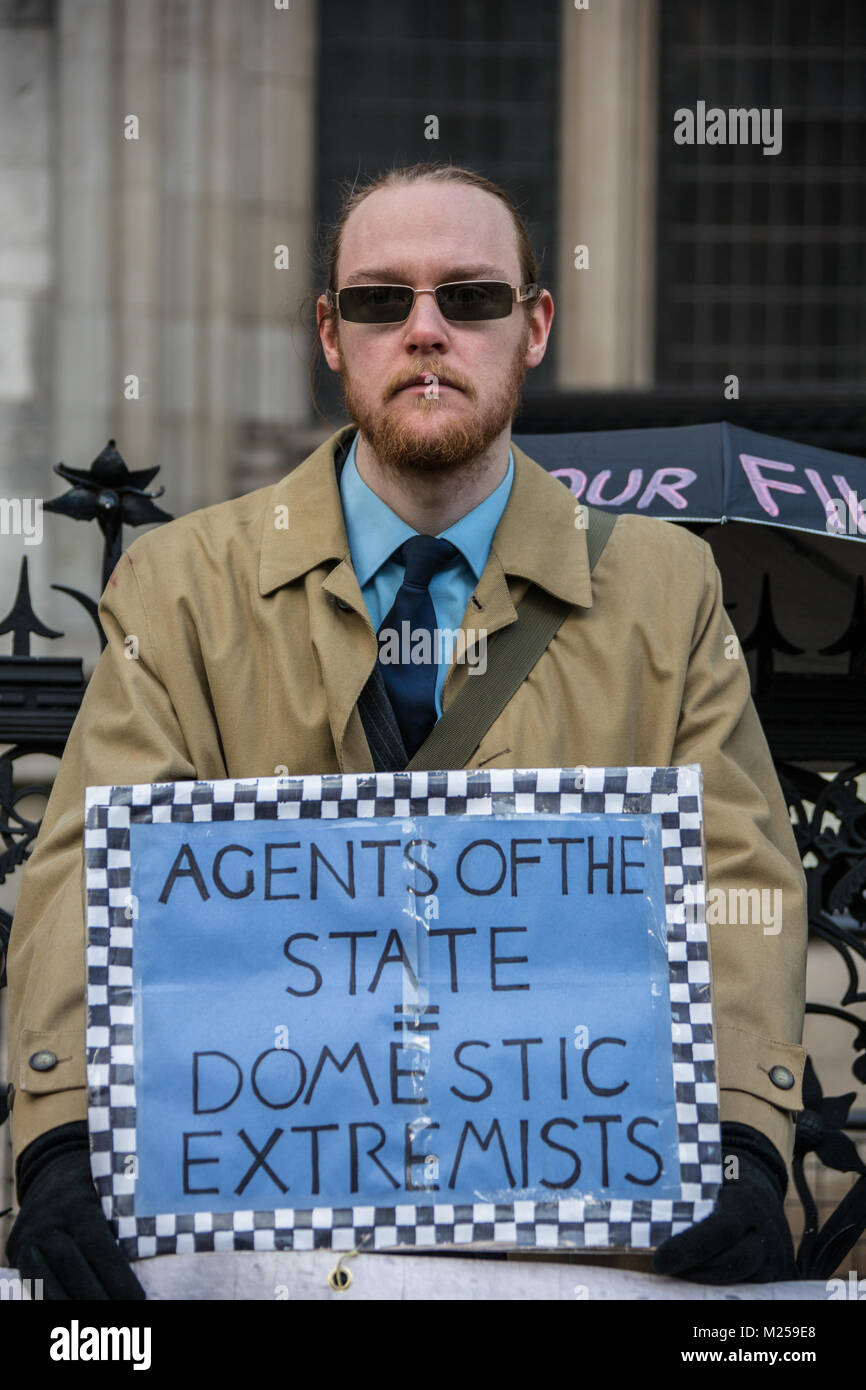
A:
[261,630]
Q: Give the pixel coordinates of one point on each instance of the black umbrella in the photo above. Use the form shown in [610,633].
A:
[716,472]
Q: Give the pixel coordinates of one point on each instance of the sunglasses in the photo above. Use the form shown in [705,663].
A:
[464,301]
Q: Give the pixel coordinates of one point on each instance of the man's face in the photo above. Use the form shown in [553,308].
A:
[428,234]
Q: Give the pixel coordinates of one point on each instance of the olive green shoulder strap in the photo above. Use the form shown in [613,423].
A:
[455,736]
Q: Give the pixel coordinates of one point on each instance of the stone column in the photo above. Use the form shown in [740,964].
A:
[607,172]
[183,157]
[27,204]
[278,63]
[26,356]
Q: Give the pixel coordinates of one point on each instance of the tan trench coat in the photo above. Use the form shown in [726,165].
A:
[254,644]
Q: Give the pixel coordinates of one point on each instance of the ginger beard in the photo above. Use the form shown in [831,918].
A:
[403,443]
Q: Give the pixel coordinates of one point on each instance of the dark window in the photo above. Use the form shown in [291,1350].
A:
[761,257]
[486,68]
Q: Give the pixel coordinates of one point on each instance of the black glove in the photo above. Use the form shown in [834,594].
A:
[61,1235]
[746,1239]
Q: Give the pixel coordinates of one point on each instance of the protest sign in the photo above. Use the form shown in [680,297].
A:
[401,1008]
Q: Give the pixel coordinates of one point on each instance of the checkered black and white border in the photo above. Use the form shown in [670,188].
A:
[673,794]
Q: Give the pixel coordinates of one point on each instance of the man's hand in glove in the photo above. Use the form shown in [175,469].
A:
[61,1235]
[746,1239]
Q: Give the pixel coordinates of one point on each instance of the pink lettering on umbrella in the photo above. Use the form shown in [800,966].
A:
[761,486]
[575,479]
[835,506]
[669,491]
[596,487]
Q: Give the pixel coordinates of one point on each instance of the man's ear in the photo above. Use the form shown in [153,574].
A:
[541,319]
[328,334]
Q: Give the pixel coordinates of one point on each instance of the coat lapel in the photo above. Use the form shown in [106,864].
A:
[311,545]
[380,725]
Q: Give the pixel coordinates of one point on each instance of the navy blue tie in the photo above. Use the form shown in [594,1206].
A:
[411,684]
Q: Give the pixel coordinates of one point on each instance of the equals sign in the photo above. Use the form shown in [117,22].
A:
[412,1023]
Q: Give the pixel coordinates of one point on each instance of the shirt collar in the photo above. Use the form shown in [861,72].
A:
[374,531]
[302,526]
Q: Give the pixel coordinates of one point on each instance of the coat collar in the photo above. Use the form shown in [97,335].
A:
[536,538]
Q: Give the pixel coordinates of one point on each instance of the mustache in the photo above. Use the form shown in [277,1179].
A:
[431,375]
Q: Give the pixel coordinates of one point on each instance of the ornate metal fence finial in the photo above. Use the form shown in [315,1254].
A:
[853,639]
[766,638]
[113,496]
[21,621]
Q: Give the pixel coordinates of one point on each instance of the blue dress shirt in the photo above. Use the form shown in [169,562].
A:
[374,532]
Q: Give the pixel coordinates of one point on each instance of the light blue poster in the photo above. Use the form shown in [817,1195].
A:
[342,1012]
[408,1008]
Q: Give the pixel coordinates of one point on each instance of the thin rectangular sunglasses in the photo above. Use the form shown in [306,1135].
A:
[463,301]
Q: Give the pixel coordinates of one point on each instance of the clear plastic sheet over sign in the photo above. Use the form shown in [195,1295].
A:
[380,1012]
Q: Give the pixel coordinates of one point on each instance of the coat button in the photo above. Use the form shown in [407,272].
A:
[43,1061]
[782,1077]
[343,606]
